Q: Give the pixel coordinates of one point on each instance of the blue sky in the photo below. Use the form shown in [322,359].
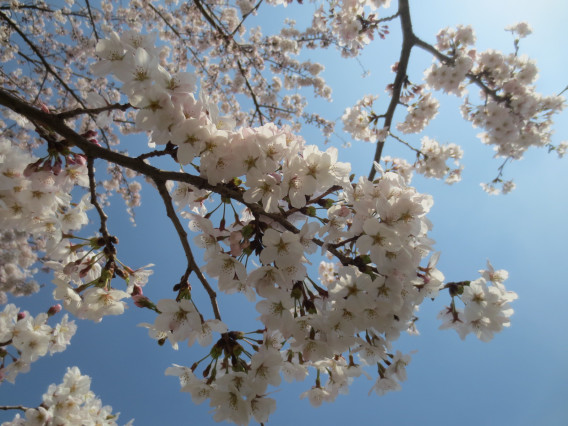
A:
[520,378]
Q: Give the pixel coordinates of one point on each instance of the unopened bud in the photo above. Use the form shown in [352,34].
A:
[54,310]
[21,315]
[32,168]
[206,371]
[142,301]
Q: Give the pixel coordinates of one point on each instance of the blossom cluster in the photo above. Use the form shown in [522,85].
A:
[24,339]
[434,158]
[513,116]
[36,200]
[70,402]
[487,307]
[357,120]
[419,114]
[266,156]
[360,307]
[294,198]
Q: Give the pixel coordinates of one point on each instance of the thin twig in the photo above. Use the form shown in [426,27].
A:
[191,264]
[13,407]
[402,141]
[245,16]
[41,58]
[94,111]
[92,20]
[253,96]
[94,200]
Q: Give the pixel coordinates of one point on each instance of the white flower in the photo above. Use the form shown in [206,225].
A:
[263,188]
[522,29]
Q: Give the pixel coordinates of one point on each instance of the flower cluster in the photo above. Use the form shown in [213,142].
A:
[377,230]
[419,114]
[70,402]
[36,200]
[487,309]
[512,114]
[274,162]
[24,339]
[434,158]
[287,198]
[357,120]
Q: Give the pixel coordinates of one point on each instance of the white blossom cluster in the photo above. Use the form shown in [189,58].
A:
[357,120]
[16,265]
[35,199]
[419,114]
[33,194]
[350,24]
[449,77]
[24,339]
[487,309]
[512,114]
[363,305]
[295,198]
[434,158]
[269,158]
[69,403]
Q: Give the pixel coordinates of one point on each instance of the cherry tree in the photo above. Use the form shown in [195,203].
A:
[190,102]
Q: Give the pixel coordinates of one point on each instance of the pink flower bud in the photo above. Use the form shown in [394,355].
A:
[46,167]
[141,301]
[80,159]
[83,273]
[21,315]
[32,168]
[54,310]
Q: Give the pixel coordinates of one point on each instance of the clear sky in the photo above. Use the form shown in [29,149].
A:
[519,378]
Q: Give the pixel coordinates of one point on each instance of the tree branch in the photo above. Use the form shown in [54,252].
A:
[13,407]
[191,264]
[41,57]
[408,40]
[138,165]
[78,111]
[91,19]
[94,201]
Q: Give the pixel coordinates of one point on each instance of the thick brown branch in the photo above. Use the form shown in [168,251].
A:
[91,150]
[408,40]
[210,19]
